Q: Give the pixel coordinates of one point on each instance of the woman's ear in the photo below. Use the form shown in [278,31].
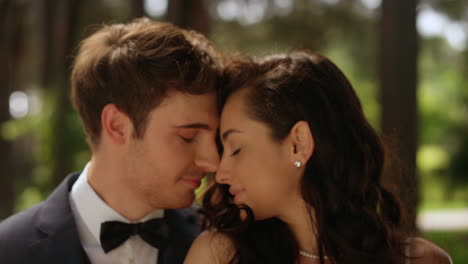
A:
[302,143]
[115,124]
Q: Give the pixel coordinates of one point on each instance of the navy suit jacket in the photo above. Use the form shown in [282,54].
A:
[46,233]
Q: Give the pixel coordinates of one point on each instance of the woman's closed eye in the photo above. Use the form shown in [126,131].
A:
[235,152]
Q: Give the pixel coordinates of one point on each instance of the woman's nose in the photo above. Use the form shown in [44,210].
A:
[222,176]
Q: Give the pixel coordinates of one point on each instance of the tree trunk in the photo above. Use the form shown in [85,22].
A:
[66,21]
[57,25]
[46,10]
[136,8]
[189,14]
[398,54]
[10,54]
[6,179]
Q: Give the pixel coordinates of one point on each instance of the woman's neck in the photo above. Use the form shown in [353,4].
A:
[301,221]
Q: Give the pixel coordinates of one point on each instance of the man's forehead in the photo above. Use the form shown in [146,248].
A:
[197,119]
[208,98]
[189,111]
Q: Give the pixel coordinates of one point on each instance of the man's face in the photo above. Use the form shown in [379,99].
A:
[178,148]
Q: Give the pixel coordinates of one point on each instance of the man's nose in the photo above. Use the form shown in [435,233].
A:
[208,158]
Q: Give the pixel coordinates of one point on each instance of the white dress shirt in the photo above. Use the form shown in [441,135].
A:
[90,211]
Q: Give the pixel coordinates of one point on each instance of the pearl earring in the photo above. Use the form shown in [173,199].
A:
[298,164]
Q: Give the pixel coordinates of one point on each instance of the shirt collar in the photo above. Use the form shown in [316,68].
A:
[93,210]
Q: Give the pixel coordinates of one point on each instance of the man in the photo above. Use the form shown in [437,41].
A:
[145,93]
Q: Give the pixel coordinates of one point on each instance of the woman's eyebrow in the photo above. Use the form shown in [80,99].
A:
[229,132]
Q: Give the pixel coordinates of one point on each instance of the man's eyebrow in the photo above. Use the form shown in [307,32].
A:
[195,125]
[229,132]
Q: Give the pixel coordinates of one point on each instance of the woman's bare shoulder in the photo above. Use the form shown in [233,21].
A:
[210,247]
[423,251]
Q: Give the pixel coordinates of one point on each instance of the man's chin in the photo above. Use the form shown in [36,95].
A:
[182,202]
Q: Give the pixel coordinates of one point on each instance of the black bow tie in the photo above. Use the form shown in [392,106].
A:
[114,233]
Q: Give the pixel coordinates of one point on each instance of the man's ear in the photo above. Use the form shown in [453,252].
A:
[302,142]
[115,124]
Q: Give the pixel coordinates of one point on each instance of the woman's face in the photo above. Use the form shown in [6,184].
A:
[259,170]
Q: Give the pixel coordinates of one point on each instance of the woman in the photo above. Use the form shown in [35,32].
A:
[299,178]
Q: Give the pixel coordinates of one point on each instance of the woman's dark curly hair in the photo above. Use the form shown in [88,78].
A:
[357,219]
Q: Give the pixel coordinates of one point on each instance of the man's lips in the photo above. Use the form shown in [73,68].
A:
[193,182]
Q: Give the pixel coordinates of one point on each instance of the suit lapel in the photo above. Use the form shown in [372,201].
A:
[57,224]
[60,243]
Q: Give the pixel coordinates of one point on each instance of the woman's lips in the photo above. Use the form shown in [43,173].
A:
[237,194]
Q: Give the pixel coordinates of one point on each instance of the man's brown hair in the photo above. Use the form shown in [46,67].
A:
[134,66]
